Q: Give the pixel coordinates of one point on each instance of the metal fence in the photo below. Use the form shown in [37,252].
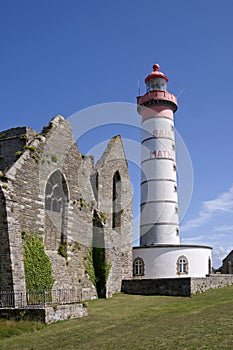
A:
[35,298]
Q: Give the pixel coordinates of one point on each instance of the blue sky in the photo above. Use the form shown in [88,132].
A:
[58,57]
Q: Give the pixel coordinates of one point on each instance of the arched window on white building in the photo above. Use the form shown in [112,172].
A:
[182,265]
[138,267]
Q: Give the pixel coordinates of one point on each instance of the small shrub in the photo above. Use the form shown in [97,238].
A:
[92,204]
[82,203]
[22,313]
[31,148]
[3,177]
[100,217]
[18,154]
[35,156]
[39,137]
[23,233]
[76,246]
[54,158]
[103,217]
[24,138]
[3,135]
[62,250]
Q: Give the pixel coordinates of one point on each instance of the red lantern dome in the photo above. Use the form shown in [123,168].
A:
[156,74]
[156,80]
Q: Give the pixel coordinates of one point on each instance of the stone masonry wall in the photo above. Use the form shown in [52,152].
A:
[12,141]
[176,286]
[200,285]
[118,240]
[47,314]
[12,274]
[6,279]
[163,286]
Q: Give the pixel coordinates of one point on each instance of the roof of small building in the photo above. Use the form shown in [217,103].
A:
[229,256]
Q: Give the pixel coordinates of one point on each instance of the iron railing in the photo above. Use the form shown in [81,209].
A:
[35,298]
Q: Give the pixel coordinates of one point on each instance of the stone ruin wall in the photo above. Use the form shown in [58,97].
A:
[23,193]
[118,240]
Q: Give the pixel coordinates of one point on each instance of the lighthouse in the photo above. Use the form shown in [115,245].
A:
[161,253]
[159,204]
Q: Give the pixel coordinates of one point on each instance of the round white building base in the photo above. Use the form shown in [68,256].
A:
[171,261]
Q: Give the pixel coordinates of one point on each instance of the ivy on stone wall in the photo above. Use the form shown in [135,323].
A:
[102,268]
[37,265]
[88,264]
[62,250]
[98,269]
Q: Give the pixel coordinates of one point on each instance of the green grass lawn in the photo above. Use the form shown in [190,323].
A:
[134,322]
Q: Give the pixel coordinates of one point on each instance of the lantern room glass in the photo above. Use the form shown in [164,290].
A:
[156,84]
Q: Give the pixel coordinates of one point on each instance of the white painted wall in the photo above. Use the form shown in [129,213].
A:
[158,169]
[155,234]
[161,262]
[159,207]
[166,191]
[157,213]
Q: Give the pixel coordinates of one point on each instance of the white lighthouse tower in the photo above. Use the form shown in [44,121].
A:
[161,254]
[159,204]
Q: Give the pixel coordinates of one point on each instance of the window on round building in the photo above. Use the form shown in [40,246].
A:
[138,267]
[182,265]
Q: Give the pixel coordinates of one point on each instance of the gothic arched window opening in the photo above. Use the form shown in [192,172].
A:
[56,192]
[116,201]
[56,206]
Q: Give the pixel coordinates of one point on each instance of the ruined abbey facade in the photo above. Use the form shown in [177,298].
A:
[47,187]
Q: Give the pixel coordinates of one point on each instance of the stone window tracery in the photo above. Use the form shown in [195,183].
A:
[56,207]
[56,192]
